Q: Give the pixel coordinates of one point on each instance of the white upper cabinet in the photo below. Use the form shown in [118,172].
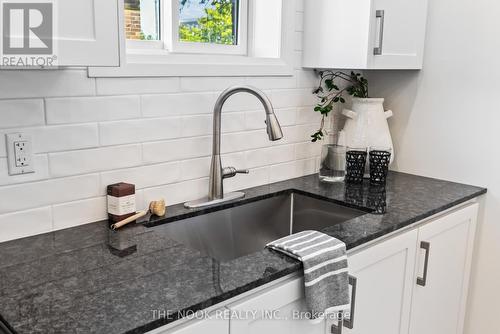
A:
[364,34]
[87,33]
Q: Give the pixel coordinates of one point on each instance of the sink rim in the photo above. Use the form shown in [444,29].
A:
[190,213]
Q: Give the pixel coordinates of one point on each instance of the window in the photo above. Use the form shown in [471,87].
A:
[206,37]
[196,26]
[213,21]
[142,20]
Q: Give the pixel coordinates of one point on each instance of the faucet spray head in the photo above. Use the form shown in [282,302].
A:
[273,127]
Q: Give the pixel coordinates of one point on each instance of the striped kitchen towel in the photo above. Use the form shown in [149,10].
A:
[326,274]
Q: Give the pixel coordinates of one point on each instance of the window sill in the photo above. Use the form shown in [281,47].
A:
[155,63]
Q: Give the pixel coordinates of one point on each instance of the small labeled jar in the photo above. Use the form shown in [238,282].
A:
[121,201]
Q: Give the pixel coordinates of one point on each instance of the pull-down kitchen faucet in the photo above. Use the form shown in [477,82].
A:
[217,173]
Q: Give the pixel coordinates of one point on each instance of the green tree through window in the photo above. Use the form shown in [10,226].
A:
[216,26]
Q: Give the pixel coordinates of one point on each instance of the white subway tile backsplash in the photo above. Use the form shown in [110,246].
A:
[264,83]
[307,115]
[307,79]
[242,102]
[306,166]
[242,141]
[293,98]
[209,84]
[134,86]
[200,125]
[233,122]
[282,172]
[94,160]
[256,119]
[177,104]
[237,160]
[141,130]
[25,223]
[298,133]
[57,138]
[256,177]
[92,109]
[139,200]
[287,116]
[79,212]
[198,168]
[178,192]
[36,83]
[40,163]
[21,113]
[144,176]
[176,149]
[37,194]
[307,150]
[292,169]
[195,168]
[269,156]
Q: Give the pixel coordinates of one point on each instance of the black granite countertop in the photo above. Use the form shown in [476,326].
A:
[88,279]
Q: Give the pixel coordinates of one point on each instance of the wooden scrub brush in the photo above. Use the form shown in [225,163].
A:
[156,208]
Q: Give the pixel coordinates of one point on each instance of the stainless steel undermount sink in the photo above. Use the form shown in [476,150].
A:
[231,233]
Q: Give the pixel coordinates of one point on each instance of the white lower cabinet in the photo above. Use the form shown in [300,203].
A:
[211,325]
[411,283]
[382,277]
[277,311]
[440,292]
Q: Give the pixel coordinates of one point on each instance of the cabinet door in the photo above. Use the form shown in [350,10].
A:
[384,275]
[87,33]
[440,291]
[212,325]
[274,312]
[397,34]
[336,34]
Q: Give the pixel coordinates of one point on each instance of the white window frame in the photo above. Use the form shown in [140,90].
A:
[151,59]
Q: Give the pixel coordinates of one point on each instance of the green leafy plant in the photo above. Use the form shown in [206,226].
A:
[144,37]
[215,27]
[329,93]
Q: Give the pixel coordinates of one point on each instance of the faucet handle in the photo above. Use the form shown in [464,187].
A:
[231,171]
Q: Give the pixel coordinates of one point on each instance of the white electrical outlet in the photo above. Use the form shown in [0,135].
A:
[19,154]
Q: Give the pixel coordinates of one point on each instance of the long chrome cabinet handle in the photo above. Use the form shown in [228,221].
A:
[380,14]
[349,323]
[426,246]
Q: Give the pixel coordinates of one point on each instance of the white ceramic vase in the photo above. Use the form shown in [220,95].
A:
[366,124]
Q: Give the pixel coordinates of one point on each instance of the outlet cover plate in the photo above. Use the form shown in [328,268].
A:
[19,153]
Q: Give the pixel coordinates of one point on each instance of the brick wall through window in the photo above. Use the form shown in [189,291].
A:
[133,24]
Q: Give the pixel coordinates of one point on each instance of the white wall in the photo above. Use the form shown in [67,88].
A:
[153,132]
[446,124]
